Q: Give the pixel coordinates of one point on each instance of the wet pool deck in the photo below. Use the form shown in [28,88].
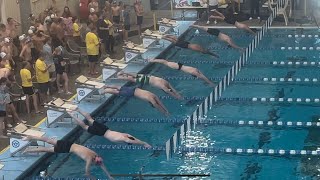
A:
[16,166]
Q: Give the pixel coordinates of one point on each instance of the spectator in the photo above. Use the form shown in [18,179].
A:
[254,6]
[213,4]
[60,65]
[25,53]
[110,42]
[32,19]
[42,75]
[76,30]
[93,17]
[126,21]
[93,44]
[115,13]
[48,58]
[66,12]
[103,32]
[95,5]
[3,100]
[138,7]
[3,32]
[27,86]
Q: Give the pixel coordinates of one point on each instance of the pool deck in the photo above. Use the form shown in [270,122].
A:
[15,167]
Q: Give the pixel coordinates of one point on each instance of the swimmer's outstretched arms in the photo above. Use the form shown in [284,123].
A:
[99,129]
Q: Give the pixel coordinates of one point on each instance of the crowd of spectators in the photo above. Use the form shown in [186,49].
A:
[35,63]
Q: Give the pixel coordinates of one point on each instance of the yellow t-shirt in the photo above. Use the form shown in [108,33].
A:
[42,77]
[111,29]
[25,76]
[92,43]
[76,30]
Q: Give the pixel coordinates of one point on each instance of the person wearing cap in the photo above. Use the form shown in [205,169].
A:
[93,45]
[64,146]
[25,53]
[93,17]
[42,75]
[32,19]
[95,5]
[60,65]
[138,7]
[115,9]
[55,31]
[27,86]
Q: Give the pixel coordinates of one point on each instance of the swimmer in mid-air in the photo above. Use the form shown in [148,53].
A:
[186,44]
[223,37]
[100,129]
[63,146]
[230,19]
[139,93]
[154,81]
[187,69]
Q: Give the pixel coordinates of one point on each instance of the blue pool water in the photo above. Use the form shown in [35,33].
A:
[221,166]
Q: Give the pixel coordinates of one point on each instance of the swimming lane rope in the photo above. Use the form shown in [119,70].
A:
[257,79]
[214,150]
[238,123]
[274,63]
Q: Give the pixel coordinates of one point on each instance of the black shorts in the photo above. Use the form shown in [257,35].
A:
[116,19]
[62,146]
[60,70]
[213,31]
[127,27]
[127,91]
[93,58]
[98,129]
[3,113]
[28,90]
[139,20]
[43,87]
[182,44]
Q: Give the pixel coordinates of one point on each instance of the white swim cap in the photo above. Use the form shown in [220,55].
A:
[30,31]
[22,37]
[6,40]
[53,16]
[3,54]
[92,10]
[32,28]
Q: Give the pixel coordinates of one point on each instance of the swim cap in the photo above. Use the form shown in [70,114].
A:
[3,54]
[6,40]
[30,31]
[32,28]
[92,10]
[22,37]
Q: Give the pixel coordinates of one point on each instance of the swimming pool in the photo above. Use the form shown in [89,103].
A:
[235,105]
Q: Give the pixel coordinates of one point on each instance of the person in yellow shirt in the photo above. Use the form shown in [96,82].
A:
[42,75]
[93,45]
[76,30]
[27,86]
